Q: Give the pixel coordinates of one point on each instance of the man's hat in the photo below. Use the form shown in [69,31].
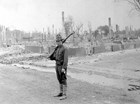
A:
[58,37]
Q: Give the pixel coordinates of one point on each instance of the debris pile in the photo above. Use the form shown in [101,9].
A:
[16,54]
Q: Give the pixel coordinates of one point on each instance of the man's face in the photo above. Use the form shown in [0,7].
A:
[59,43]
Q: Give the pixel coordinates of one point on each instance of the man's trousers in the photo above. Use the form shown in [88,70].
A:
[62,79]
[61,76]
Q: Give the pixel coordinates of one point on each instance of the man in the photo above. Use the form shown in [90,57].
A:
[61,57]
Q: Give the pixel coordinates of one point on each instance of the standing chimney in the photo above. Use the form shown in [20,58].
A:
[117,28]
[63,18]
[109,23]
[109,20]
[63,25]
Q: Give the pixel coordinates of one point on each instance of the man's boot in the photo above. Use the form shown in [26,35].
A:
[64,93]
[61,91]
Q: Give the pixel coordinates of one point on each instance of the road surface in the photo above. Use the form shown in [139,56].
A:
[105,81]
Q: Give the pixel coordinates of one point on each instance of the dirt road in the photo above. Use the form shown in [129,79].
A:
[26,86]
[102,81]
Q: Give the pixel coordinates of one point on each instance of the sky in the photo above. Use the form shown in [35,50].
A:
[30,15]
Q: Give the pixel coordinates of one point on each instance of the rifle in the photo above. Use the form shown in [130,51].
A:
[51,57]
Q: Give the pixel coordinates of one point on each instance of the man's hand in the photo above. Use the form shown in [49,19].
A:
[63,70]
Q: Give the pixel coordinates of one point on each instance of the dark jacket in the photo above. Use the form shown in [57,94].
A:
[61,56]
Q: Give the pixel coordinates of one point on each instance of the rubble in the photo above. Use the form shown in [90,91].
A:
[16,54]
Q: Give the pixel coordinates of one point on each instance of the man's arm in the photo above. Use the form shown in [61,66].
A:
[65,63]
[52,56]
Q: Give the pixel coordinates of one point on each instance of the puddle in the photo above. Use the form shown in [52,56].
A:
[92,79]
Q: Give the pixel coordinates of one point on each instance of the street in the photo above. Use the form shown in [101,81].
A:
[24,86]
[104,80]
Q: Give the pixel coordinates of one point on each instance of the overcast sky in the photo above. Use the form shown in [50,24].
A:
[32,15]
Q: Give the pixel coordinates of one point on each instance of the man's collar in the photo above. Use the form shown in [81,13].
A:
[60,45]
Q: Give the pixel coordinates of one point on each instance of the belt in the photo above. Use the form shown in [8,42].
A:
[59,63]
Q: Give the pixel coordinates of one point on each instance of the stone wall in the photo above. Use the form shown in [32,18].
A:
[83,51]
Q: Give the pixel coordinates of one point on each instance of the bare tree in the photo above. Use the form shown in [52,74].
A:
[90,32]
[134,3]
[69,25]
[89,27]
[78,28]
